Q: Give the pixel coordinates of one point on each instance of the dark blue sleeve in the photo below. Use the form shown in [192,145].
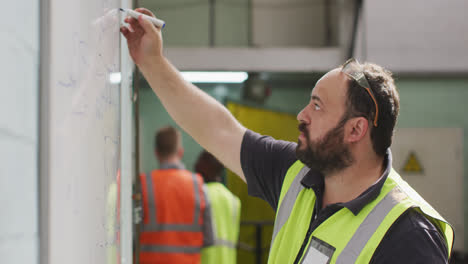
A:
[412,239]
[265,162]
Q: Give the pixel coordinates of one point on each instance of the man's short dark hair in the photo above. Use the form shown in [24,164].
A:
[359,103]
[209,167]
[166,141]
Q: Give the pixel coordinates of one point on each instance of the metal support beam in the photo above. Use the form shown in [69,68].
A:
[256,59]
[357,13]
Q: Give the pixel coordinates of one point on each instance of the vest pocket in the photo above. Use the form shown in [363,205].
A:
[318,252]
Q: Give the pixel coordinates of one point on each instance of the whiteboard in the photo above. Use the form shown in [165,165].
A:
[84,131]
[439,154]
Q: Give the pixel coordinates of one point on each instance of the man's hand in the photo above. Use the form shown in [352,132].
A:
[143,38]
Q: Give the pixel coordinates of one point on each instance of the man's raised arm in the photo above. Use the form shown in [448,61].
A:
[204,118]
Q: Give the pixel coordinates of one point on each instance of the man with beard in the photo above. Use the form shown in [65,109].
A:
[336,196]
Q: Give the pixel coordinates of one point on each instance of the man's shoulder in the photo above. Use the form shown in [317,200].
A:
[414,219]
[413,237]
[252,137]
[264,162]
[266,150]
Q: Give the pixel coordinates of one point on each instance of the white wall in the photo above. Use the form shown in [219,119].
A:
[417,35]
[18,132]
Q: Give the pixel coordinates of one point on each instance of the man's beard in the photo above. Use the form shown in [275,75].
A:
[326,155]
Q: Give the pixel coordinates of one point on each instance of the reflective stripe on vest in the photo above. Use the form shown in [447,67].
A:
[368,227]
[169,249]
[222,242]
[154,226]
[343,237]
[288,201]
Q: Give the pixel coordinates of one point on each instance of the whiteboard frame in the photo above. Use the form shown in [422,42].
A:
[44,128]
[127,148]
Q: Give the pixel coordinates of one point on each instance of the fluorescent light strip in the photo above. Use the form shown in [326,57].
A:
[215,77]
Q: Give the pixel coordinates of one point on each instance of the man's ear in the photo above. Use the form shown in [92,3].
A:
[356,129]
[180,152]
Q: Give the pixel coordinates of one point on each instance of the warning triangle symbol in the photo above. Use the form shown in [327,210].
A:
[412,164]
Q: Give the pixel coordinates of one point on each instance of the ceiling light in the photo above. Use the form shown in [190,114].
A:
[215,77]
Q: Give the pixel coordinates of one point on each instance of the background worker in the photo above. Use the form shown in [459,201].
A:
[337,197]
[225,212]
[176,217]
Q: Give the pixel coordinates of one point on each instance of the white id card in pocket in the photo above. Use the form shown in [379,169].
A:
[318,252]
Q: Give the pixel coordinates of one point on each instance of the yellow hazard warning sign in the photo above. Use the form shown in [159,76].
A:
[412,164]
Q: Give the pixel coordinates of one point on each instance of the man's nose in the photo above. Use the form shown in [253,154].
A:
[301,117]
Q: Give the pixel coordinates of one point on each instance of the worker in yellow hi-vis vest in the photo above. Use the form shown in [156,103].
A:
[225,211]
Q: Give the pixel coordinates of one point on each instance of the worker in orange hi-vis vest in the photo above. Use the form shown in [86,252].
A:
[176,217]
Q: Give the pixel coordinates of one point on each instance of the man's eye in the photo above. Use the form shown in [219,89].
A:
[317,107]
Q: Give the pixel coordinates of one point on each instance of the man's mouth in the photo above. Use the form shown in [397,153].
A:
[302,135]
[303,130]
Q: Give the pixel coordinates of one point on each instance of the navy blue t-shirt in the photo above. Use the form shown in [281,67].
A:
[411,239]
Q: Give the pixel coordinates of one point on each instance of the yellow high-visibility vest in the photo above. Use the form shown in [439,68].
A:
[225,210]
[343,237]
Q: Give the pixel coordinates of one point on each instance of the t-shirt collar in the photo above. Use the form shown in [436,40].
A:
[171,165]
[314,180]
